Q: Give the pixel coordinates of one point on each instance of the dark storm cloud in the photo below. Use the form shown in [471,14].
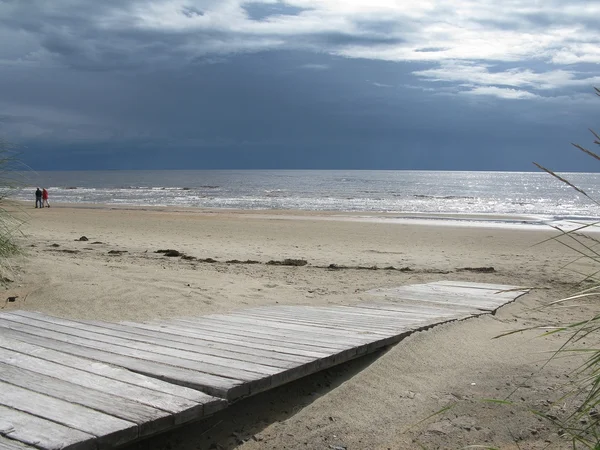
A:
[303,83]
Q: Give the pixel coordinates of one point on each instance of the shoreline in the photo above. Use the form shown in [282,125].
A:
[481,220]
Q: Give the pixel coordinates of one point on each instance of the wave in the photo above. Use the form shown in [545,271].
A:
[444,197]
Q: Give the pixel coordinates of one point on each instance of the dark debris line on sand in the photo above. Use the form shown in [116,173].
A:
[476,269]
[302,262]
[289,262]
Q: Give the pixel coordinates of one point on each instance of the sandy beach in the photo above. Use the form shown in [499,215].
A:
[228,261]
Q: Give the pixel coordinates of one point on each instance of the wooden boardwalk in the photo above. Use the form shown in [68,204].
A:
[83,384]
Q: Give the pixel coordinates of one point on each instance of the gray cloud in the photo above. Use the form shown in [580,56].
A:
[233,76]
[114,35]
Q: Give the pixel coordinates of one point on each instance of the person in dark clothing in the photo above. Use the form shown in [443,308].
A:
[38,198]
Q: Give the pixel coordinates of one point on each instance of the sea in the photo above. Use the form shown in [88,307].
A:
[535,196]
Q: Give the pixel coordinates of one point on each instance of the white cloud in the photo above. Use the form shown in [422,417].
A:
[381,85]
[457,71]
[511,94]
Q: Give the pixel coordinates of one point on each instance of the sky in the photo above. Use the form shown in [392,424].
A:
[300,84]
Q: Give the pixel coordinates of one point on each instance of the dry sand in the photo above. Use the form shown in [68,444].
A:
[376,402]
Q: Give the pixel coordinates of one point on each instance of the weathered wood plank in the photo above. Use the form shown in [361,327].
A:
[437,295]
[459,302]
[93,381]
[359,345]
[372,315]
[148,419]
[43,434]
[230,368]
[316,331]
[217,336]
[177,339]
[348,322]
[211,384]
[331,324]
[110,431]
[159,344]
[163,342]
[172,391]
[10,444]
[86,345]
[317,335]
[415,307]
[344,320]
[324,342]
[488,286]
[291,340]
[469,296]
[338,336]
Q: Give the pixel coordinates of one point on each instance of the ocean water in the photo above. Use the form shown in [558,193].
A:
[532,194]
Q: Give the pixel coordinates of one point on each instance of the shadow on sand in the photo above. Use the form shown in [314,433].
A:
[243,420]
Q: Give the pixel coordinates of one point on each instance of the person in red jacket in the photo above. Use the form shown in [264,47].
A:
[45,198]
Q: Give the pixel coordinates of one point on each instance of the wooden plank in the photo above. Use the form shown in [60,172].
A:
[148,419]
[43,434]
[93,381]
[316,331]
[334,356]
[402,296]
[167,390]
[10,444]
[160,342]
[293,339]
[473,294]
[301,370]
[230,368]
[485,286]
[333,323]
[479,306]
[315,334]
[140,355]
[202,343]
[110,431]
[348,321]
[308,341]
[329,323]
[437,295]
[356,345]
[216,336]
[374,315]
[332,337]
[314,339]
[211,384]
[415,307]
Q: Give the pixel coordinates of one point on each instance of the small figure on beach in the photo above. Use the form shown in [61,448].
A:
[45,198]
[38,198]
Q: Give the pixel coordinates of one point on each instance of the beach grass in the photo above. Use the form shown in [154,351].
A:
[9,222]
[582,424]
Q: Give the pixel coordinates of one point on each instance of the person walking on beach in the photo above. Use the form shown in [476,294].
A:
[38,198]
[45,198]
